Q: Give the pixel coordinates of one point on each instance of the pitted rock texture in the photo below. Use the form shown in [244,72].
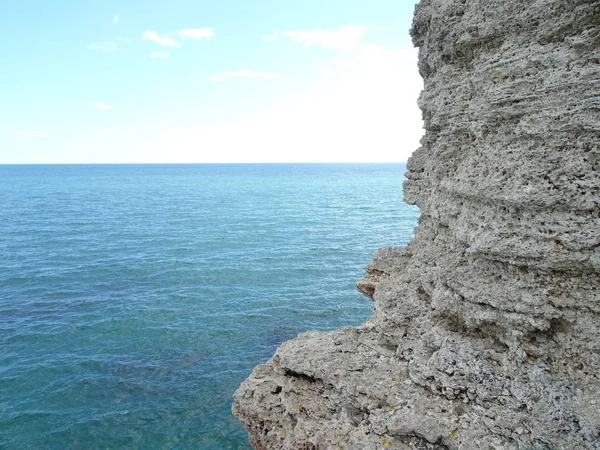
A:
[486,331]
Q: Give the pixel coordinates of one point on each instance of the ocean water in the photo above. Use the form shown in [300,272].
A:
[135,299]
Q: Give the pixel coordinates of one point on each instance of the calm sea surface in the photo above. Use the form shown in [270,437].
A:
[135,299]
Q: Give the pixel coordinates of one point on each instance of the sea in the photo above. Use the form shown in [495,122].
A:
[134,299]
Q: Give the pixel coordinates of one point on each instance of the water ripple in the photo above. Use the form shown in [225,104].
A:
[135,299]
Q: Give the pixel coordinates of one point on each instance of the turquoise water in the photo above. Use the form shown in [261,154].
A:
[135,299]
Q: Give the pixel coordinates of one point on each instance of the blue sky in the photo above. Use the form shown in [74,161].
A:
[194,81]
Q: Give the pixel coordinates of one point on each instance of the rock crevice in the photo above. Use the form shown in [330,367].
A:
[486,330]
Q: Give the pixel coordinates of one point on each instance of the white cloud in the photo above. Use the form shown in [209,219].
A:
[384,29]
[160,55]
[344,62]
[245,73]
[367,112]
[102,106]
[272,37]
[361,106]
[168,40]
[107,46]
[116,20]
[165,40]
[347,37]
[326,71]
[197,33]
[28,133]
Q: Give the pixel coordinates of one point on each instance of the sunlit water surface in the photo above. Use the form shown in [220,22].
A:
[135,299]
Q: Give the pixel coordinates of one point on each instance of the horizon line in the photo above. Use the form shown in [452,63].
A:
[199,163]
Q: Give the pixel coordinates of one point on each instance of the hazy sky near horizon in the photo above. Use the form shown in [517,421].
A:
[192,81]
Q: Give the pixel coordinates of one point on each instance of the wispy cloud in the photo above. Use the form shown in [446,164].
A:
[347,63]
[372,104]
[245,73]
[325,71]
[107,46]
[272,37]
[165,40]
[28,133]
[197,33]
[116,20]
[168,39]
[384,29]
[102,106]
[347,37]
[159,55]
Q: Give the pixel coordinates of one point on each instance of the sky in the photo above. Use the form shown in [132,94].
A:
[193,81]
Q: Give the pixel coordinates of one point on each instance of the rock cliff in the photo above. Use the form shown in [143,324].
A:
[486,331]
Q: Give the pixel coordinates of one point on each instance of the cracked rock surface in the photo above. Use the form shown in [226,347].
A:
[486,331]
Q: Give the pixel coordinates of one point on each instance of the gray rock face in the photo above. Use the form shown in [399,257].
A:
[486,331]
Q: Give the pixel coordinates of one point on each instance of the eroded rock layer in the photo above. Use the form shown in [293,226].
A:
[486,332]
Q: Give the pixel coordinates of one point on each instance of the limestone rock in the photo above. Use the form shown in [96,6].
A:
[486,331]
